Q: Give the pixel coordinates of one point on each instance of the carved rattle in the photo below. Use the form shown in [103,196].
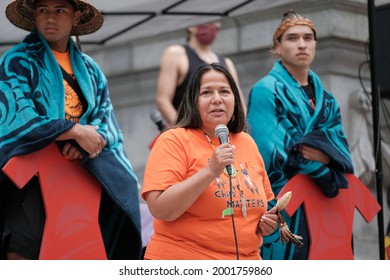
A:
[285,234]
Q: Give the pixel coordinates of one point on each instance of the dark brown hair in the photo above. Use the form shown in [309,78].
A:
[188,113]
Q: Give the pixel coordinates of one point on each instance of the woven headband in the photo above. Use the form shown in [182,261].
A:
[286,24]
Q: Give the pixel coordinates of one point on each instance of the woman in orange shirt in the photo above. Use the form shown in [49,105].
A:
[201,210]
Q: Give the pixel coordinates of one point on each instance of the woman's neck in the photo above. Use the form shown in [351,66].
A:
[209,133]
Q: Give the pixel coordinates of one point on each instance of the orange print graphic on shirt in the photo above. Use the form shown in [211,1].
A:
[73,105]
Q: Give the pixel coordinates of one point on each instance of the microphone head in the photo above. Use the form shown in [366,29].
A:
[156,116]
[221,129]
[222,132]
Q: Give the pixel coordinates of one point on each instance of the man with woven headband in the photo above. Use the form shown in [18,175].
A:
[297,126]
[51,91]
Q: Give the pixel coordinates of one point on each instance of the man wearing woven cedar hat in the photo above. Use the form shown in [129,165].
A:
[51,91]
[297,126]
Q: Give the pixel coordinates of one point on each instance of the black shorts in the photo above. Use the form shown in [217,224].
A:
[23,218]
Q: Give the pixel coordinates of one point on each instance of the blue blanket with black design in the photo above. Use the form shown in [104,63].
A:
[281,118]
[32,116]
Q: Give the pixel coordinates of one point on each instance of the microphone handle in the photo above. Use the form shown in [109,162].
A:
[160,126]
[229,169]
[224,138]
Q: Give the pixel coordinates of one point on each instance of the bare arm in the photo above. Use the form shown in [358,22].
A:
[171,203]
[167,82]
[233,72]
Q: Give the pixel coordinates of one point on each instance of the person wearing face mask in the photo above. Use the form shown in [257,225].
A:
[178,62]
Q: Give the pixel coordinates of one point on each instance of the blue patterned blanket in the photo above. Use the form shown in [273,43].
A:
[281,117]
[32,116]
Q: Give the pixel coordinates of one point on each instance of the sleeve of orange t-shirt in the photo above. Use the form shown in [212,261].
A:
[166,164]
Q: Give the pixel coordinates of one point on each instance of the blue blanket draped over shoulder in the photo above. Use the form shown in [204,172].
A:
[32,116]
[281,118]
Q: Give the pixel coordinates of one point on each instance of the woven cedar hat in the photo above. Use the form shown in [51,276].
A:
[21,14]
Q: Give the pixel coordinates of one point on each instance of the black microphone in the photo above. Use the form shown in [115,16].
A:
[222,132]
[158,120]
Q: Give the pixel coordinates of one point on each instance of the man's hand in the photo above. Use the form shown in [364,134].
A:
[313,154]
[70,152]
[87,137]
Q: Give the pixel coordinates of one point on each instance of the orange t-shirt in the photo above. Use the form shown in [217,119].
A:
[201,232]
[74,108]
